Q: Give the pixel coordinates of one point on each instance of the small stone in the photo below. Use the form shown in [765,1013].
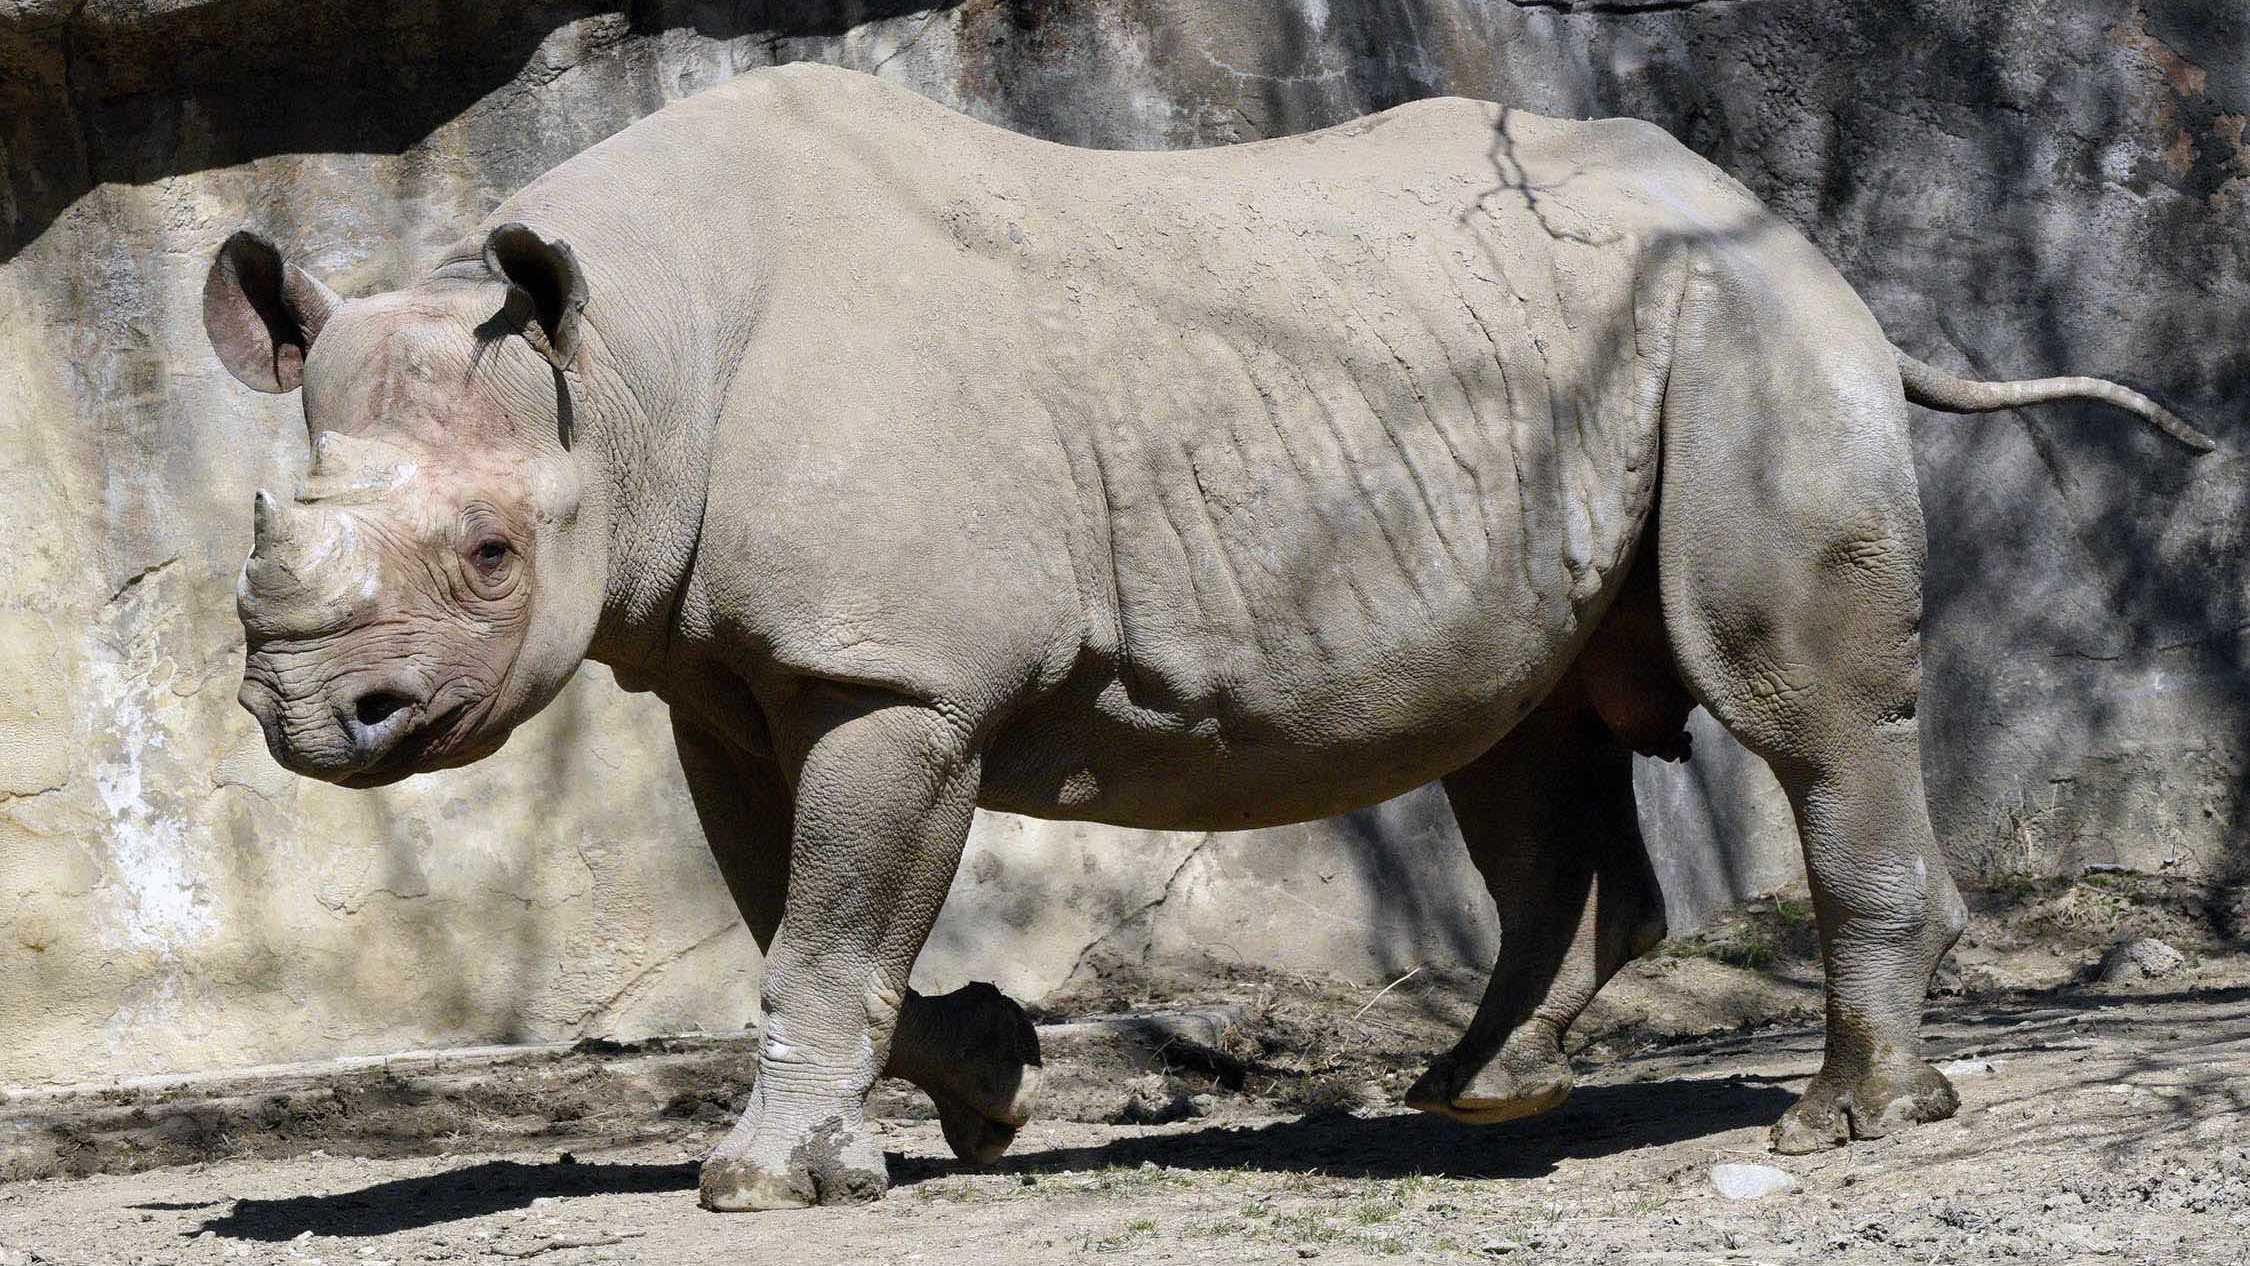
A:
[1959,1068]
[2144,959]
[1307,1250]
[1750,1182]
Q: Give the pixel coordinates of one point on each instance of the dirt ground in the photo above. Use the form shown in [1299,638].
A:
[1254,1118]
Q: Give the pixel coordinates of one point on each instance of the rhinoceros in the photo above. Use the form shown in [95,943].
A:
[918,466]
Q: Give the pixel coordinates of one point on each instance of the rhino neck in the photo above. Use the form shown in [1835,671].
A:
[654,458]
[644,435]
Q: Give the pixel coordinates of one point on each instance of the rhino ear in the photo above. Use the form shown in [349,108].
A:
[263,312]
[547,289]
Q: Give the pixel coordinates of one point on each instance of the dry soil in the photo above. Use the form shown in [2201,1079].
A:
[1253,1119]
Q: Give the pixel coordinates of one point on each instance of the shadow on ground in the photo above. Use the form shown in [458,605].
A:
[1599,1121]
[470,1191]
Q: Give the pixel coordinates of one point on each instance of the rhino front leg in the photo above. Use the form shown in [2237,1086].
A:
[1549,820]
[974,1051]
[884,796]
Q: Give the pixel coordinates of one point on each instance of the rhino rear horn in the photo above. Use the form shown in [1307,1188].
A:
[546,289]
[268,529]
[263,312]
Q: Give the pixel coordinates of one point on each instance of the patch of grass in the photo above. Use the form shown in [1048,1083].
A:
[1753,950]
[1306,1228]
[1217,1229]
[1748,949]
[1126,1237]
[1374,1212]
[958,1191]
[1126,1180]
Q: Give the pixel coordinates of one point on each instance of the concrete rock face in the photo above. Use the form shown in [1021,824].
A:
[2017,186]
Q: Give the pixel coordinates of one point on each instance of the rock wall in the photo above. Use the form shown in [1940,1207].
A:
[2017,186]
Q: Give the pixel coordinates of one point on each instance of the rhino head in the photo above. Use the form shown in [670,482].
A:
[438,576]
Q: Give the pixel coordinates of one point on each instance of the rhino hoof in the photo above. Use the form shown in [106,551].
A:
[1809,1126]
[976,1139]
[985,1093]
[1889,1099]
[732,1185]
[834,1165]
[1504,1089]
[1883,1100]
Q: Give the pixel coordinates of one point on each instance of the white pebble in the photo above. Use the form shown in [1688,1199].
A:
[1750,1182]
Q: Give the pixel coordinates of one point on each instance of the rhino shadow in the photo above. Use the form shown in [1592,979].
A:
[452,1195]
[1597,1121]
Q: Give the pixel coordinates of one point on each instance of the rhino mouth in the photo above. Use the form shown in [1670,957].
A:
[429,742]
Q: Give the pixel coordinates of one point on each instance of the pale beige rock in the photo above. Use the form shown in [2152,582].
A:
[122,446]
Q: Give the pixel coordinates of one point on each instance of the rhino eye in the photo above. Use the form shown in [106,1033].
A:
[490,554]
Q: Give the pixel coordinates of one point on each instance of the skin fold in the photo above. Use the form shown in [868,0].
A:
[919,466]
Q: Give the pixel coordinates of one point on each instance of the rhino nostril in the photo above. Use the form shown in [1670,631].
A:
[378,706]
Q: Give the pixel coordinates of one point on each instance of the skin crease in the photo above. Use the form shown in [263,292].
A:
[919,466]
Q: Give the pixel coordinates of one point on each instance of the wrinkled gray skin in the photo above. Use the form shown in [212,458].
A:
[920,466]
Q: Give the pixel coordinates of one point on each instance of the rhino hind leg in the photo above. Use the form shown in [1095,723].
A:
[1790,562]
[976,1053]
[1549,820]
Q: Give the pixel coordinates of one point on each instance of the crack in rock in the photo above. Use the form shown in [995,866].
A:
[134,581]
[602,1009]
[1163,894]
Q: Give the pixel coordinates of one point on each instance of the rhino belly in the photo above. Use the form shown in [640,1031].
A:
[1362,707]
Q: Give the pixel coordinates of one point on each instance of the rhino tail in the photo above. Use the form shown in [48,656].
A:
[1931,387]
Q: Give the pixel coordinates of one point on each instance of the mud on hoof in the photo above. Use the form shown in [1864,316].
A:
[835,1165]
[1886,1098]
[985,1094]
[1523,1079]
